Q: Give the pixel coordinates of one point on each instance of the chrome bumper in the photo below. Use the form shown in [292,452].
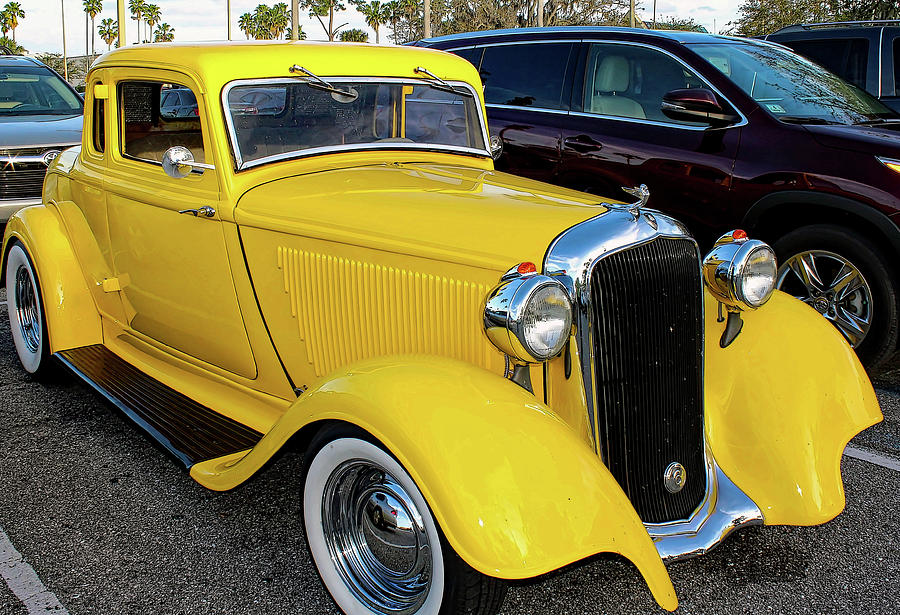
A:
[8,208]
[724,509]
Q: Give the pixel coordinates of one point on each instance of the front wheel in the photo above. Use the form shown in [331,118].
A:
[26,312]
[846,279]
[398,566]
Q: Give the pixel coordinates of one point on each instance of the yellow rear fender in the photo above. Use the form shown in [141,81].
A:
[72,317]
[782,402]
[514,489]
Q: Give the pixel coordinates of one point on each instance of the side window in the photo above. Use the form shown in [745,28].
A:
[147,131]
[897,66]
[529,75]
[630,81]
[845,57]
[473,55]
[99,125]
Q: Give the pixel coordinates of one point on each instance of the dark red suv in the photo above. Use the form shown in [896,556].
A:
[727,132]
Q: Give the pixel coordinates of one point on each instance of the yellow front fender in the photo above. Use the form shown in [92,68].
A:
[782,402]
[72,317]
[515,490]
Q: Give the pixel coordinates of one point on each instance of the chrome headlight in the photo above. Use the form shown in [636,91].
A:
[528,316]
[740,272]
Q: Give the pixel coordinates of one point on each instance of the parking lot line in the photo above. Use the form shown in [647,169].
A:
[865,454]
[24,582]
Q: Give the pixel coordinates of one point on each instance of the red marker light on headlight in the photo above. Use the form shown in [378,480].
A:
[739,234]
[524,268]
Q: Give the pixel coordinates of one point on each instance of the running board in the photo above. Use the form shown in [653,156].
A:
[190,431]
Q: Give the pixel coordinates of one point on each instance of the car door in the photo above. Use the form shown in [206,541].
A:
[173,267]
[617,135]
[526,89]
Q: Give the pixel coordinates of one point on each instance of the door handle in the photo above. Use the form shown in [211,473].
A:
[583,144]
[206,212]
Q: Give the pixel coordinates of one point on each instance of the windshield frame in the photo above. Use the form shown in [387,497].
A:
[38,69]
[794,56]
[242,165]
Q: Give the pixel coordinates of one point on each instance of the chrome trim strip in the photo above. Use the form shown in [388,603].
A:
[241,165]
[724,509]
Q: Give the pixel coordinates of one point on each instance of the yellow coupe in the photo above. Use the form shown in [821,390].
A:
[491,378]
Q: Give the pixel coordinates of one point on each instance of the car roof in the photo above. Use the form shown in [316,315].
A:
[14,60]
[215,64]
[678,36]
[843,27]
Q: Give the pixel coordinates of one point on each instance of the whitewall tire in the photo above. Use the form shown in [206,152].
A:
[26,311]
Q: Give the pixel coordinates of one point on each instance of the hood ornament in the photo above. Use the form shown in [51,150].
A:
[642,193]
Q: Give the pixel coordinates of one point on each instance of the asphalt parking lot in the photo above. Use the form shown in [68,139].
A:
[110,525]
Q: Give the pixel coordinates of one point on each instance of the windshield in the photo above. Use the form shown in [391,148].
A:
[790,87]
[280,119]
[35,90]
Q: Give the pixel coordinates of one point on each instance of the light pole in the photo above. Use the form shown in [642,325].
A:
[295,11]
[540,13]
[427,19]
[62,12]
[228,17]
[120,16]
[654,14]
[631,14]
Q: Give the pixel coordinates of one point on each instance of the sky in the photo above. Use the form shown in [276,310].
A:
[204,20]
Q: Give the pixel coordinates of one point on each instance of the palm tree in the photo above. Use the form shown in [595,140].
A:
[137,12]
[375,14]
[92,8]
[164,33]
[247,25]
[354,35]
[261,18]
[279,20]
[14,12]
[109,31]
[152,16]
[4,23]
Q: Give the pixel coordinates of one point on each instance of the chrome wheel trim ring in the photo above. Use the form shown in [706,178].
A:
[334,471]
[845,298]
[27,311]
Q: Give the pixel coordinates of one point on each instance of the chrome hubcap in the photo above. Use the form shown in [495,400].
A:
[376,538]
[27,310]
[833,287]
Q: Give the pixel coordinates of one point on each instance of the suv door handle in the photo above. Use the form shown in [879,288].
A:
[583,144]
[206,212]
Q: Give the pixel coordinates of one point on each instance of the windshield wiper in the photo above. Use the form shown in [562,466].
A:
[319,83]
[881,120]
[804,119]
[439,84]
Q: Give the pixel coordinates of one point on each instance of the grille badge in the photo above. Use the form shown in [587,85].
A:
[50,156]
[675,477]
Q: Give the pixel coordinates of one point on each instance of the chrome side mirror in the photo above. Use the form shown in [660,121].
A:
[496,145]
[178,162]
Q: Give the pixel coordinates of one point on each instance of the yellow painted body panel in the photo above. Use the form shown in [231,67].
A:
[72,318]
[782,402]
[514,489]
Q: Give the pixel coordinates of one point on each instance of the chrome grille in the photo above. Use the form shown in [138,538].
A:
[21,180]
[648,361]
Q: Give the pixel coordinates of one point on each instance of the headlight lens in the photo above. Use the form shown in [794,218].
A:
[740,272]
[756,280]
[547,322]
[528,317]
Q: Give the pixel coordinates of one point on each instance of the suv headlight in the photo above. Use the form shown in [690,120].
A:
[740,272]
[528,316]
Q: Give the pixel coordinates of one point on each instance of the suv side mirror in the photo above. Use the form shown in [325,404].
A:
[696,105]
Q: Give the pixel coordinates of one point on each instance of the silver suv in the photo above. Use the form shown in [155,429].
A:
[40,115]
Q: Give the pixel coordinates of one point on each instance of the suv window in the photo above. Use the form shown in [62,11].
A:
[146,132]
[526,75]
[35,90]
[897,66]
[630,81]
[846,57]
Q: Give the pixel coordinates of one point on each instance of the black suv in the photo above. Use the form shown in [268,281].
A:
[865,53]
[727,133]
[40,115]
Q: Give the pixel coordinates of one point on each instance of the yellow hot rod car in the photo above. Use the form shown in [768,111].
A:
[491,377]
